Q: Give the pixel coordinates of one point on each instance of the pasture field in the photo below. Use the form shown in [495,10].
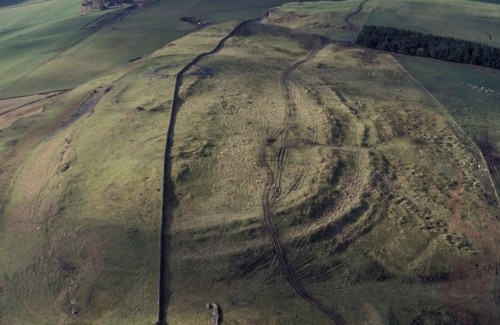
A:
[470,94]
[471,20]
[40,54]
[31,35]
[304,171]
[36,48]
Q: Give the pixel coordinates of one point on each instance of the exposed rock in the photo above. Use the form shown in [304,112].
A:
[109,4]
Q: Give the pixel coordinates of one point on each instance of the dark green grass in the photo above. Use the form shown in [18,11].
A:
[41,57]
[488,1]
[8,3]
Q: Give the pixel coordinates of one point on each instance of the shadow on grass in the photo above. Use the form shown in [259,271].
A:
[169,200]
[170,203]
[8,3]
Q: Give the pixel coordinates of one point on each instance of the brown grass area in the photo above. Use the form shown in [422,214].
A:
[473,279]
[10,103]
[13,157]
[27,214]
[12,110]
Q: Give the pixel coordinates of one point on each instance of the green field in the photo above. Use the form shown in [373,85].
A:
[32,35]
[51,41]
[471,94]
[97,248]
[471,20]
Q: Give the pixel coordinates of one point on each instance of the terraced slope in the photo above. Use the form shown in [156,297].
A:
[362,176]
[313,182]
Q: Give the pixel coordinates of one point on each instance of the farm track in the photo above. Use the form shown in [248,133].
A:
[273,192]
[347,18]
[169,200]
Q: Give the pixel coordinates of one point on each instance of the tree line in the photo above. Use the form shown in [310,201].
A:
[431,46]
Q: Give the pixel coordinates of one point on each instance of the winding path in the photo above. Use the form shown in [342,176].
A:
[272,192]
[347,18]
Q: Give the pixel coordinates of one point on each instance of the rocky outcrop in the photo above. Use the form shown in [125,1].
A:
[108,4]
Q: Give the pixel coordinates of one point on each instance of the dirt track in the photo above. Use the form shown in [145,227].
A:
[347,19]
[273,192]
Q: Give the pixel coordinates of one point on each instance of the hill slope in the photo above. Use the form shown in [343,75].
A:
[313,181]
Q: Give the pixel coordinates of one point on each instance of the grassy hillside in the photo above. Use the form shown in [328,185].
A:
[81,237]
[360,200]
[306,172]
